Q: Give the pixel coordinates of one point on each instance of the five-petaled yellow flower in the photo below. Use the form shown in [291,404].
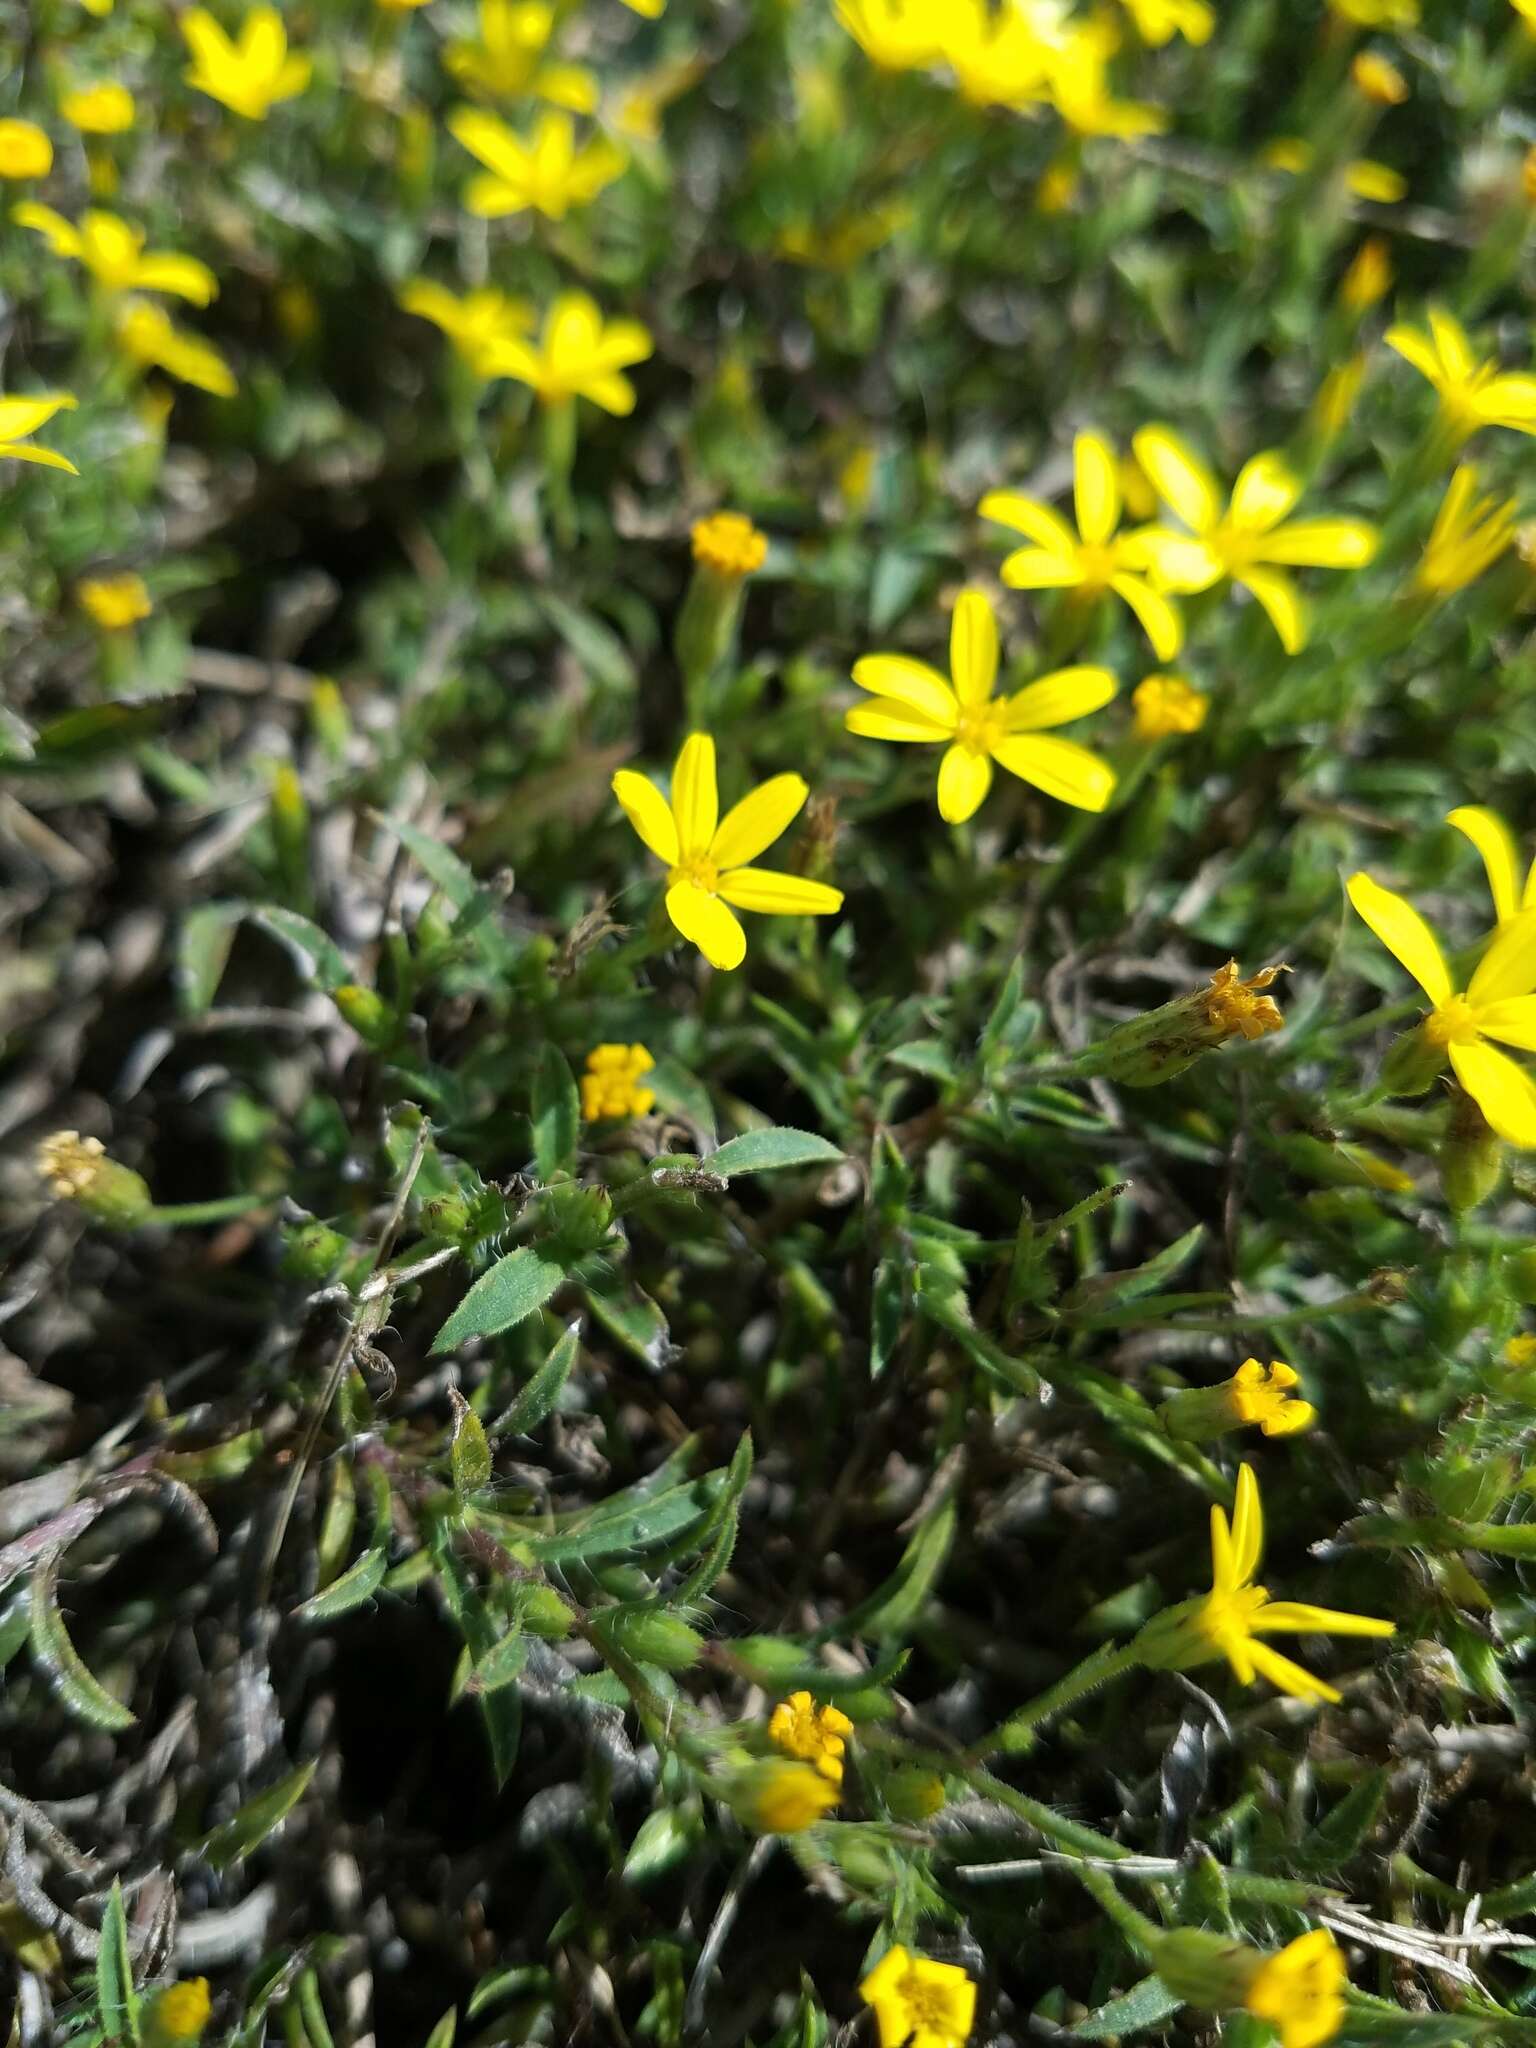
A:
[544,171]
[249,75]
[1252,542]
[1472,394]
[578,355]
[105,109]
[914,702]
[1497,1008]
[115,602]
[709,876]
[151,340]
[612,1087]
[1300,1990]
[1096,557]
[1469,535]
[114,253]
[477,324]
[508,59]
[816,1735]
[919,2003]
[22,416]
[25,151]
[1232,1620]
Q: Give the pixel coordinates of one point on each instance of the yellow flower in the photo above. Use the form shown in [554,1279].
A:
[1300,1991]
[1159,21]
[578,355]
[914,702]
[997,54]
[1092,560]
[1379,80]
[644,99]
[1166,705]
[151,339]
[178,2013]
[1378,13]
[508,59]
[1369,276]
[22,416]
[251,75]
[729,544]
[1329,412]
[1520,1352]
[706,855]
[114,254]
[898,35]
[651,9]
[476,324]
[1469,535]
[1247,542]
[1080,90]
[781,1798]
[1233,1618]
[1255,1395]
[99,109]
[1238,1008]
[1498,1004]
[1472,394]
[1363,177]
[1501,860]
[70,1164]
[25,151]
[1526,9]
[115,602]
[813,1734]
[919,2003]
[544,171]
[611,1085]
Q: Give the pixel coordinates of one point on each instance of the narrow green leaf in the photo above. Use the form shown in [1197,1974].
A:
[501,1665]
[625,1524]
[515,1287]
[1340,1833]
[442,2034]
[435,860]
[115,1996]
[470,1454]
[319,958]
[81,1692]
[234,1839]
[1144,2005]
[893,1607]
[765,1151]
[664,1839]
[538,1398]
[202,951]
[556,1114]
[1101,1291]
[356,1585]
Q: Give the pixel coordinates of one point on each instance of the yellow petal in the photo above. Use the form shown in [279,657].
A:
[1404,934]
[19,416]
[613,393]
[182,276]
[1037,522]
[964,779]
[1174,559]
[649,812]
[1321,544]
[753,824]
[1061,768]
[710,924]
[1495,842]
[973,648]
[913,683]
[1224,1577]
[63,238]
[1451,344]
[1415,347]
[1247,1526]
[1038,569]
[1159,615]
[1178,477]
[1503,1091]
[491,140]
[1511,1022]
[695,794]
[764,890]
[1282,601]
[1056,699]
[488,197]
[1508,968]
[1096,488]
[24,451]
[1265,491]
[432,302]
[1290,1677]
[1299,1618]
[1508,401]
[884,720]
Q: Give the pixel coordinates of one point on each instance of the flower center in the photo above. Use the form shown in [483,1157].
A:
[928,2004]
[1098,565]
[1223,1618]
[1453,1022]
[695,867]
[980,728]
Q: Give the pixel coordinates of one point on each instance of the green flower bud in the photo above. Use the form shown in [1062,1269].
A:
[1471,1156]
[546,1614]
[365,1011]
[312,1252]
[654,1637]
[1204,1969]
[78,1170]
[913,1795]
[1413,1063]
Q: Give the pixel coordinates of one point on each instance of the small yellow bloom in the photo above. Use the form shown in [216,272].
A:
[1337,395]
[249,75]
[915,703]
[1247,542]
[898,35]
[1378,13]
[1363,176]
[1498,1007]
[1254,1396]
[919,2003]
[1378,80]
[1300,1991]
[1501,860]
[152,341]
[611,1085]
[544,171]
[115,602]
[707,856]
[178,2013]
[476,324]
[1080,93]
[729,544]
[70,1164]
[578,355]
[1369,276]
[1159,21]
[1520,1352]
[1238,1008]
[1469,535]
[1233,1618]
[99,109]
[816,1735]
[1095,559]
[997,54]
[781,1798]
[1166,705]
[20,417]
[114,253]
[25,151]
[1472,394]
[508,59]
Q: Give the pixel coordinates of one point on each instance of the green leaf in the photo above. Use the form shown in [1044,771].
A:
[626,1524]
[1144,2005]
[1341,1832]
[441,866]
[893,1607]
[356,1585]
[442,2034]
[597,647]
[15,1625]
[202,952]
[98,730]
[556,1114]
[116,2000]
[765,1151]
[81,1692]
[664,1839]
[515,1287]
[543,1390]
[319,958]
[1101,1291]
[234,1839]
[521,1980]
[470,1454]
[501,1664]
[628,1313]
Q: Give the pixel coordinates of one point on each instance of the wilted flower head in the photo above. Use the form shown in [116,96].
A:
[1238,1008]
[1255,1396]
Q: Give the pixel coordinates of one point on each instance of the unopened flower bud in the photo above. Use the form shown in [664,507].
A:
[654,1637]
[312,1252]
[727,548]
[1413,1063]
[1471,1155]
[913,1795]
[78,1170]
[545,1614]
[365,1011]
[1254,1396]
[779,1797]
[1205,1969]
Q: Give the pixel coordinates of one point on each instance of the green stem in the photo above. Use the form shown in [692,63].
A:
[1110,1660]
[208,1212]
